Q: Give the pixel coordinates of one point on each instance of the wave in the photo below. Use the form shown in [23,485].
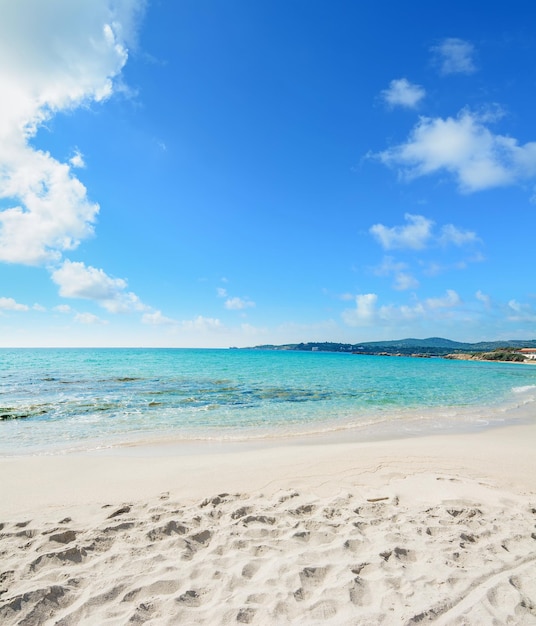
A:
[524,389]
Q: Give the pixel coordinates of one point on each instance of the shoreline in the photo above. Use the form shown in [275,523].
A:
[417,530]
[502,454]
[408,423]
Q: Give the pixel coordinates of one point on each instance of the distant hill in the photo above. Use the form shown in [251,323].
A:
[432,346]
[431,342]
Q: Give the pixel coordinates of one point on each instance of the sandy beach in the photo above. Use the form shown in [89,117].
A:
[435,530]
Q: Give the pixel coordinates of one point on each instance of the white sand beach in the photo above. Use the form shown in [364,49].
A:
[435,530]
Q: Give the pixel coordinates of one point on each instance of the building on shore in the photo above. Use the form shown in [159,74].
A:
[528,353]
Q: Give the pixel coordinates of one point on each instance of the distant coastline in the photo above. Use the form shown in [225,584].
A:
[421,348]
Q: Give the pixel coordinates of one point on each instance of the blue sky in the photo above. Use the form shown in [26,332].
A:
[208,173]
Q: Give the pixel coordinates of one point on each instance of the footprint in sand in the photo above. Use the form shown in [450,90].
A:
[246,615]
[66,536]
[43,602]
[359,592]
[191,598]
[310,578]
[76,554]
[171,528]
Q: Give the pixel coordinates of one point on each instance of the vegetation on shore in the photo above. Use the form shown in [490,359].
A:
[501,354]
[431,347]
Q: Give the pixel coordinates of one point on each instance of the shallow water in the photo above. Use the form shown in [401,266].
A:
[59,400]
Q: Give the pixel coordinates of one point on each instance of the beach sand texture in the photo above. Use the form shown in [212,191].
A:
[329,534]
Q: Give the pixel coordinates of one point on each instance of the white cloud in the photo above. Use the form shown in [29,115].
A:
[250,332]
[367,313]
[449,300]
[392,314]
[389,266]
[418,234]
[63,308]
[465,148]
[157,319]
[515,306]
[202,324]
[237,304]
[364,312]
[39,307]
[9,304]
[77,280]
[54,56]
[432,268]
[234,303]
[77,160]
[53,213]
[484,298]
[451,234]
[455,56]
[404,281]
[89,318]
[59,54]
[403,93]
[415,235]
[519,312]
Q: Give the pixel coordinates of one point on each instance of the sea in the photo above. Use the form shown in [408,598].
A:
[60,401]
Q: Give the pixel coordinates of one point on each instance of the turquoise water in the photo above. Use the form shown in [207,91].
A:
[54,401]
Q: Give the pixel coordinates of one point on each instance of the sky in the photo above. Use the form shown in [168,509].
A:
[210,173]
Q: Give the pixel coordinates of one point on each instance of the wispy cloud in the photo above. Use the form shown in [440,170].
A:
[434,268]
[403,280]
[63,308]
[157,319]
[234,303]
[454,56]
[520,312]
[367,312]
[450,234]
[447,311]
[9,304]
[237,304]
[388,266]
[89,318]
[465,148]
[414,236]
[202,324]
[484,298]
[403,93]
[420,233]
[450,299]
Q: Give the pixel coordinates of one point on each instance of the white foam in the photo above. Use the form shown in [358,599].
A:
[524,389]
